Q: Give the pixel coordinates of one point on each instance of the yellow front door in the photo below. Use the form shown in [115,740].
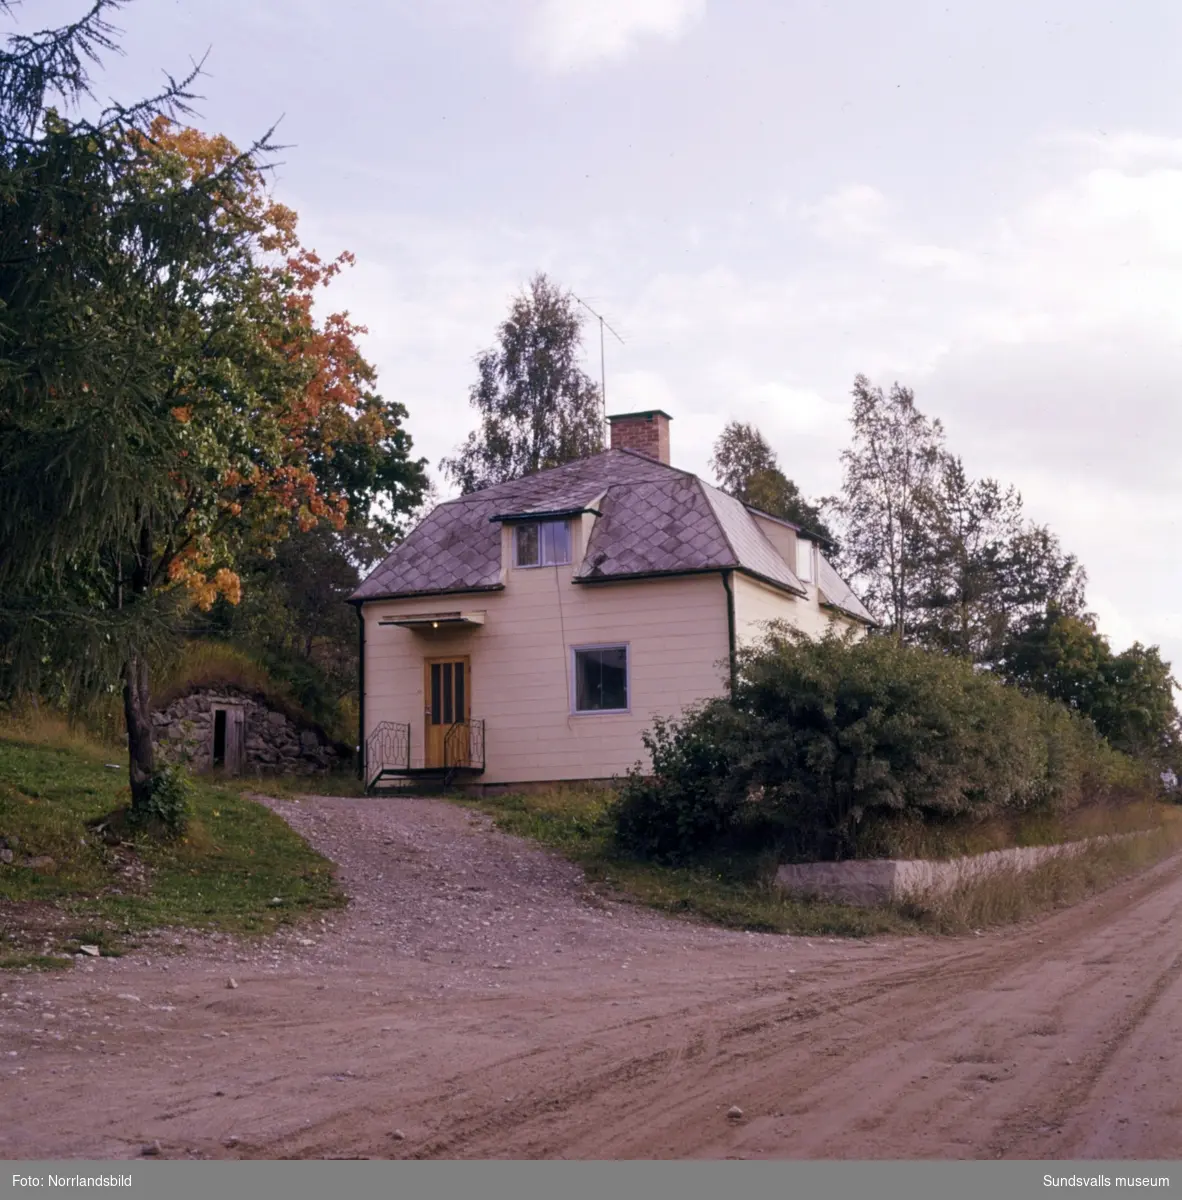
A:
[446,688]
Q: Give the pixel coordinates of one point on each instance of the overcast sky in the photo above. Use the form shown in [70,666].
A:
[764,197]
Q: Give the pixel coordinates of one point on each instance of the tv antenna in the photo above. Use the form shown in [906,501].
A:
[602,359]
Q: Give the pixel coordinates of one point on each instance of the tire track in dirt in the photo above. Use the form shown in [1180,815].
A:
[1060,1134]
[976,1072]
[667,1102]
[473,998]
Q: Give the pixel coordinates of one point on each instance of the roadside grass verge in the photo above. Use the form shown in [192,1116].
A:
[239,868]
[957,839]
[1008,896]
[738,891]
[734,892]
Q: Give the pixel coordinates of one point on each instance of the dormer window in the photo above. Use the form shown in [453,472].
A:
[542,544]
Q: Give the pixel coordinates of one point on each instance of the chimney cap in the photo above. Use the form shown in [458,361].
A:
[648,412]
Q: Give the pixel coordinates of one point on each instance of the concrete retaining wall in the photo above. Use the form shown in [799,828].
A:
[872,882]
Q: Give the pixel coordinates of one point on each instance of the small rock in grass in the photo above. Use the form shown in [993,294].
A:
[398,1135]
[231,983]
[734,1112]
[129,996]
[151,1150]
[93,951]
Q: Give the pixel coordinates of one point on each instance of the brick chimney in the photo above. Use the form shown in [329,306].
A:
[644,432]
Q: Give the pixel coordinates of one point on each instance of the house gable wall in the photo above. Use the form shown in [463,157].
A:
[676,630]
[757,603]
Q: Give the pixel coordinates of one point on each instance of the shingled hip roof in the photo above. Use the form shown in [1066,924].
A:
[652,519]
[836,593]
[455,549]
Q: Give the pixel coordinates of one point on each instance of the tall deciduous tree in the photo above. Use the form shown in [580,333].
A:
[537,407]
[1035,574]
[888,471]
[167,397]
[745,465]
[982,568]
[967,528]
[1129,696]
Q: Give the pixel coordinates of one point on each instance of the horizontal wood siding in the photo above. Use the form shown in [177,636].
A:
[521,662]
[756,604]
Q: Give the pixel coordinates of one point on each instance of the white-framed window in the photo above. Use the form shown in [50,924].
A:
[804,561]
[542,544]
[600,679]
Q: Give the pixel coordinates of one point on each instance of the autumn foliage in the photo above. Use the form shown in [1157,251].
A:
[253,463]
[173,401]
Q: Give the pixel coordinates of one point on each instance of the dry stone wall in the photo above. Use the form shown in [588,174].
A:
[183,733]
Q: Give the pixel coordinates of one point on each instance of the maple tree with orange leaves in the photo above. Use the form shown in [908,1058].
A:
[170,398]
[321,405]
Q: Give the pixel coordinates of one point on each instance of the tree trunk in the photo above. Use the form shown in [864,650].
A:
[137,710]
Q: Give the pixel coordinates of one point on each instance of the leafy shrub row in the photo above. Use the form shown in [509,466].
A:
[824,735]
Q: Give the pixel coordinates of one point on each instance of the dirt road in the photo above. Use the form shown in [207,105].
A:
[476,1001]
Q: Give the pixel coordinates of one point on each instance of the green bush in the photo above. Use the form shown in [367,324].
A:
[822,736]
[691,801]
[167,806]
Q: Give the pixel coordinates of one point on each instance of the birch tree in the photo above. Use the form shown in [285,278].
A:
[538,408]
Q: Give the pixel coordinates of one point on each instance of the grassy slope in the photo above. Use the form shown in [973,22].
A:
[958,839]
[236,860]
[1009,896]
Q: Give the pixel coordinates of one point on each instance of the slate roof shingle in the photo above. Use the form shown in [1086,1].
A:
[653,519]
[838,594]
[749,543]
[456,548]
[654,525]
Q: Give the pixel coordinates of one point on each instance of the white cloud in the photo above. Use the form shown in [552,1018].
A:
[1101,249]
[850,214]
[792,410]
[1127,149]
[924,257]
[636,391]
[568,35]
